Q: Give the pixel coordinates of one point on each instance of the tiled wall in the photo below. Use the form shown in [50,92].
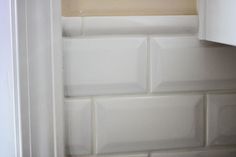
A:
[147,87]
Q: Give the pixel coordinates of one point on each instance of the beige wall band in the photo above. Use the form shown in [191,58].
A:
[127,7]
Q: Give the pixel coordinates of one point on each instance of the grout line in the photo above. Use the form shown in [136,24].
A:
[145,94]
[205,120]
[133,95]
[93,126]
[153,94]
[232,91]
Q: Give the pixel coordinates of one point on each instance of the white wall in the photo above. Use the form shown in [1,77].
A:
[7,128]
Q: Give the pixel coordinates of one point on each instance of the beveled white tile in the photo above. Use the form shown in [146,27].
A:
[203,153]
[126,124]
[221,119]
[116,155]
[219,153]
[71,26]
[183,63]
[78,126]
[140,25]
[95,66]
[177,154]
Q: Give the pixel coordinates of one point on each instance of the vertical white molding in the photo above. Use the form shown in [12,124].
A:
[10,116]
[23,70]
[40,77]
[16,80]
[57,78]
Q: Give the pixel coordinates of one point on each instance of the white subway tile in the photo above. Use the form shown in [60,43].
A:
[183,63]
[177,154]
[204,153]
[126,124]
[116,155]
[125,155]
[221,119]
[78,126]
[71,26]
[95,66]
[140,25]
[219,153]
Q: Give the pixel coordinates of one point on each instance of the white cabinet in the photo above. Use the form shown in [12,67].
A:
[217,21]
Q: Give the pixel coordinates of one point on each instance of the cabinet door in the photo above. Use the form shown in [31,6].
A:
[218,21]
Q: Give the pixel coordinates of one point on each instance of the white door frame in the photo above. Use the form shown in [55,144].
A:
[38,56]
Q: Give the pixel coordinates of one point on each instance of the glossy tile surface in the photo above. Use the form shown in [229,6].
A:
[71,26]
[99,25]
[203,153]
[127,124]
[117,155]
[177,154]
[96,66]
[221,119]
[219,153]
[78,126]
[183,63]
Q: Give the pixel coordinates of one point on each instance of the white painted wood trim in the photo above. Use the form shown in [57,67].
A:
[22,54]
[28,144]
[145,25]
[13,84]
[57,76]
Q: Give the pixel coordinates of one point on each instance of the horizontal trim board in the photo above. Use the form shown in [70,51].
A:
[110,25]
